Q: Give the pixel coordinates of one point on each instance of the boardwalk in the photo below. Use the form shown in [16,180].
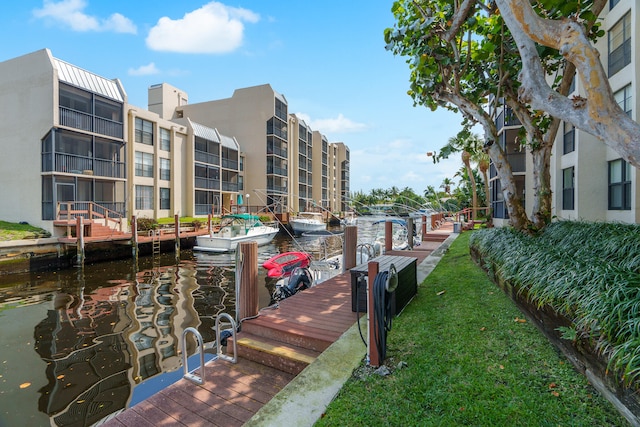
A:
[232,394]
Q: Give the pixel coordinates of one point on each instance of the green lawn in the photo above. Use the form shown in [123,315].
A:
[15,231]
[471,360]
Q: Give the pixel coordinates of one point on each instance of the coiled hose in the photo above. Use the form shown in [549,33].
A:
[382,312]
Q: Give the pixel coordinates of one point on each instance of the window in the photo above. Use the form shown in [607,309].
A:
[612,3]
[568,180]
[165,198]
[144,131]
[619,185]
[569,140]
[144,164]
[620,44]
[623,98]
[165,139]
[165,169]
[144,197]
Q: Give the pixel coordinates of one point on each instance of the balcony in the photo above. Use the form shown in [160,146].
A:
[209,184]
[69,163]
[204,157]
[87,122]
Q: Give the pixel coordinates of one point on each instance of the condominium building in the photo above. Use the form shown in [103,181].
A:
[589,180]
[63,137]
[592,181]
[282,165]
[74,146]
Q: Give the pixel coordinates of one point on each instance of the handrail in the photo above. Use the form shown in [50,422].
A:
[93,210]
[220,355]
[185,363]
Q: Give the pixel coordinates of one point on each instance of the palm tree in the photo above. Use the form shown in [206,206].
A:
[446,185]
[470,145]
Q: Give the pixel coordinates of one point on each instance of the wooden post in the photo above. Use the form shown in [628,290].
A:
[374,357]
[247,267]
[134,238]
[424,227]
[176,228]
[80,240]
[350,246]
[209,224]
[388,236]
[410,232]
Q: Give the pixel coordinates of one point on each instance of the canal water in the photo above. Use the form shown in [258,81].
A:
[79,345]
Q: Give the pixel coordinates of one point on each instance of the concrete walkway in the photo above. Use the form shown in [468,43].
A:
[303,401]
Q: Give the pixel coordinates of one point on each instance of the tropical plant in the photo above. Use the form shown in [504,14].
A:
[563,268]
[462,54]
[446,185]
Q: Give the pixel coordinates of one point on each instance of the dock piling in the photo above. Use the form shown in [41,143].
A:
[247,280]
[350,247]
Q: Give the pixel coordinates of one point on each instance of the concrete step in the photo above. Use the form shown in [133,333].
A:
[301,335]
[273,353]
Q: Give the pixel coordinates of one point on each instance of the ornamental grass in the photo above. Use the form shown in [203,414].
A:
[587,272]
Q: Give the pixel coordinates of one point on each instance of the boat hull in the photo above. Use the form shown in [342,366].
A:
[215,243]
[302,226]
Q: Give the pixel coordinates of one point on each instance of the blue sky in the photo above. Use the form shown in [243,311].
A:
[326,57]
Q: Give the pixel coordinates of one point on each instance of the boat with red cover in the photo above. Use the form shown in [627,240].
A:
[284,263]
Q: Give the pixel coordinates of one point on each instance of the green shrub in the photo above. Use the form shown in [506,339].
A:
[146,224]
[587,272]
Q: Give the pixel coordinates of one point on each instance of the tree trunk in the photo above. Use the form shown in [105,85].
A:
[541,216]
[517,215]
[598,114]
[474,203]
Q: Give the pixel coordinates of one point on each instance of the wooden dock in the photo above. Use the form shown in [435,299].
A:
[272,349]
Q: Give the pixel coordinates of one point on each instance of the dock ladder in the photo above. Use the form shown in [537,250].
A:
[155,241]
[190,375]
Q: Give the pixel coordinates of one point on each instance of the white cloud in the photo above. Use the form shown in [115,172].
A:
[70,13]
[144,70]
[339,124]
[214,28]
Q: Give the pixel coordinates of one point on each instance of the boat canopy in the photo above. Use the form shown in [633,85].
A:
[250,219]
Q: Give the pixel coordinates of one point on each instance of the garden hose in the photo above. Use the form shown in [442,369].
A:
[382,312]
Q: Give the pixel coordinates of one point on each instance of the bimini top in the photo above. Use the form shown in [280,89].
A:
[250,219]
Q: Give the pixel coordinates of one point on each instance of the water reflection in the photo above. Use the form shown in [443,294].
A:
[108,335]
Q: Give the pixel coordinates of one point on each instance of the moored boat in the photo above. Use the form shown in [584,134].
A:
[307,221]
[234,229]
[284,263]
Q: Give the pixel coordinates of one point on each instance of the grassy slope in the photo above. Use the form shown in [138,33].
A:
[469,362]
[13,231]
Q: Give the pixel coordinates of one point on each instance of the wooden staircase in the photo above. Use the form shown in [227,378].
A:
[290,337]
[92,230]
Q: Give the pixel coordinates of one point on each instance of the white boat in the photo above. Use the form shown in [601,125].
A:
[234,229]
[307,221]
[350,218]
[399,234]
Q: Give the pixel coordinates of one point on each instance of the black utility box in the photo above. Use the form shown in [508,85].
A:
[407,281]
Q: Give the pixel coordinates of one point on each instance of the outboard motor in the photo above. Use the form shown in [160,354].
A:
[299,280]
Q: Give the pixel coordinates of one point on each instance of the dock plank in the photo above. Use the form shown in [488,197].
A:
[233,393]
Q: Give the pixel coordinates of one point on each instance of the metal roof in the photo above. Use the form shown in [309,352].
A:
[229,142]
[86,80]
[213,135]
[204,132]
